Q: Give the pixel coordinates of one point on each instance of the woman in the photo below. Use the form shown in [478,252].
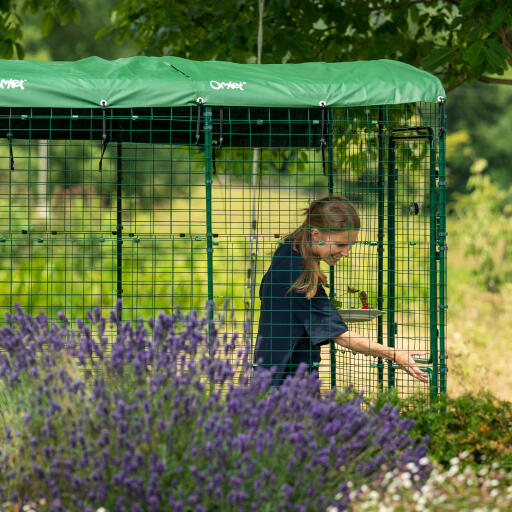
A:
[297,317]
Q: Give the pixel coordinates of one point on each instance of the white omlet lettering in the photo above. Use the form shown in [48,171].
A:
[227,85]
[12,84]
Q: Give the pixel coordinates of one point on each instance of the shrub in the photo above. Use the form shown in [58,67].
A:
[484,216]
[168,416]
[477,425]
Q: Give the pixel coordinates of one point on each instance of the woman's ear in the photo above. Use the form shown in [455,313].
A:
[315,235]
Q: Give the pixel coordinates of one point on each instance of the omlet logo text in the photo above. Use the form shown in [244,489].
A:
[12,84]
[227,85]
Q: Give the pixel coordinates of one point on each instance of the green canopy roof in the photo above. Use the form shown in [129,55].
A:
[172,81]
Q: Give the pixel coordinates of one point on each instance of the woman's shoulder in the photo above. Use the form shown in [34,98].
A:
[286,256]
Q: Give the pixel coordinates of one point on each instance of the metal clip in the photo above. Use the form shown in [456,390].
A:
[103,104]
[200,101]
[323,142]
[11,155]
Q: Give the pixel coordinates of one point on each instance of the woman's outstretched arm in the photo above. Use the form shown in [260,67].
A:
[405,358]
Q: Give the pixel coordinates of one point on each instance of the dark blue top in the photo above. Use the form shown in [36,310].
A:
[292,328]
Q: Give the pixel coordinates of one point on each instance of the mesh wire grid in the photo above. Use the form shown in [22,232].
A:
[190,206]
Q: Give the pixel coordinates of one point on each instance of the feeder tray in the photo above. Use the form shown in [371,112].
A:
[359,315]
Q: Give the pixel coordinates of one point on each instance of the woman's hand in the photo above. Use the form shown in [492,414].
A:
[405,358]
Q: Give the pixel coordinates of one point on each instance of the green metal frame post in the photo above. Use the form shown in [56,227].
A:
[119,224]
[380,243]
[442,247]
[330,172]
[433,267]
[391,327]
[208,177]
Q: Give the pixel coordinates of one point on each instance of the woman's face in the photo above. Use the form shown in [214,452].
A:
[337,244]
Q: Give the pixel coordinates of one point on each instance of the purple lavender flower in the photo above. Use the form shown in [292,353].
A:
[156,418]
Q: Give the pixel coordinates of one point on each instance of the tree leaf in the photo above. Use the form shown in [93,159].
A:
[65,15]
[76,15]
[46,24]
[437,58]
[474,54]
[495,63]
[466,5]
[20,51]
[498,18]
[102,32]
[498,48]
[6,49]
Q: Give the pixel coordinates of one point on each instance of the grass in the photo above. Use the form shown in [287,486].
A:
[479,327]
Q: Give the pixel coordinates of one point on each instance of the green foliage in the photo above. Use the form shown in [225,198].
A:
[479,118]
[484,215]
[11,21]
[476,424]
[459,40]
[73,37]
[10,32]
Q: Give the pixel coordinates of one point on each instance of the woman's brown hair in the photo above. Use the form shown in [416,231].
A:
[328,214]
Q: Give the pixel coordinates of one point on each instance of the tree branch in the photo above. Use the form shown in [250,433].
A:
[506,40]
[460,81]
[490,80]
[261,9]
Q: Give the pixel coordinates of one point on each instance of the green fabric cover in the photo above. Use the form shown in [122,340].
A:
[172,81]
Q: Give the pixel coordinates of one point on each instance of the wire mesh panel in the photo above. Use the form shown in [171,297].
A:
[174,207]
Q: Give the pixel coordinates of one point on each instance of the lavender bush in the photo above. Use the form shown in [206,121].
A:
[169,417]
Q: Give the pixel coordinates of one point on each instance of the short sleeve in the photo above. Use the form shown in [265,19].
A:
[317,315]
[320,318]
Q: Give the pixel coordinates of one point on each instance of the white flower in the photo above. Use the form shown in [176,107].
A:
[483,471]
[453,470]
[494,493]
[424,461]
[329,509]
[412,467]
[468,470]
[493,483]
[439,499]
[101,509]
[454,461]
[464,455]
[427,488]
[439,479]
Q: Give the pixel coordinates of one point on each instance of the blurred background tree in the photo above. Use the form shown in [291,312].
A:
[459,40]
[58,30]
